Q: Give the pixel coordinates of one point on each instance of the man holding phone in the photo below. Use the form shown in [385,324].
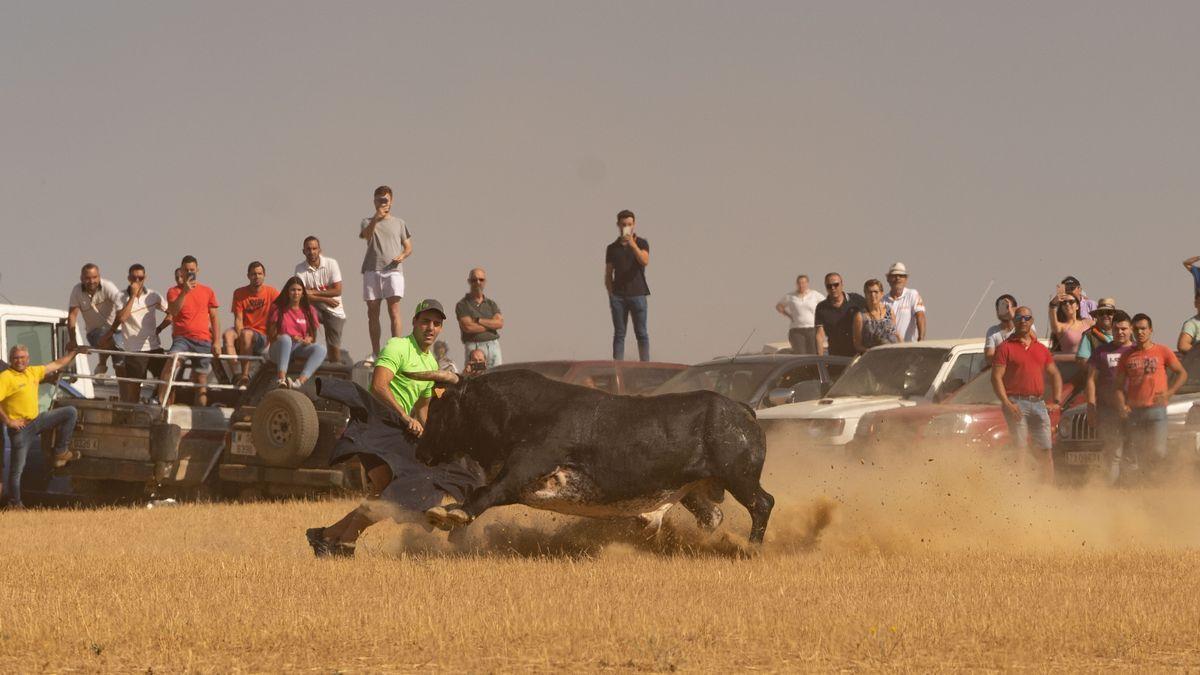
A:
[196,328]
[625,262]
[388,245]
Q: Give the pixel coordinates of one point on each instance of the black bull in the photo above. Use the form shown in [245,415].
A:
[580,451]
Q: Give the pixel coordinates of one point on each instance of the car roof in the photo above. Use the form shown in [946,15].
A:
[776,358]
[569,362]
[938,344]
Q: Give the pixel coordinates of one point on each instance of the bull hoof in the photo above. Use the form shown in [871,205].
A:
[438,517]
[458,517]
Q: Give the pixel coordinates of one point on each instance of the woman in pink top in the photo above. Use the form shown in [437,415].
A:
[1066,327]
[292,330]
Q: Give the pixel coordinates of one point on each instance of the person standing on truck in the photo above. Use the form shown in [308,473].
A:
[625,262]
[800,307]
[95,299]
[479,320]
[401,486]
[140,323]
[906,303]
[323,282]
[20,417]
[388,245]
[251,302]
[195,326]
[1019,371]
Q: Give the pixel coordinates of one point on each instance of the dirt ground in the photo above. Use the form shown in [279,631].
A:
[925,561]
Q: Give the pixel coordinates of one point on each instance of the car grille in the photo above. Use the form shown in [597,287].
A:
[1076,428]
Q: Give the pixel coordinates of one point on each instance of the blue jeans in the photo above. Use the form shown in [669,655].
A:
[284,347]
[20,440]
[1147,434]
[1031,429]
[490,349]
[622,307]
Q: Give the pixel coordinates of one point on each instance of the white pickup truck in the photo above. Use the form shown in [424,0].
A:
[888,376]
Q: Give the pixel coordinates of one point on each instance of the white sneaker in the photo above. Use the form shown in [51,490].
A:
[295,384]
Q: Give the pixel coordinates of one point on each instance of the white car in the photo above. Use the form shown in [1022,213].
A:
[886,377]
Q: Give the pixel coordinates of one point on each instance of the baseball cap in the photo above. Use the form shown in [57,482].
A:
[1106,305]
[429,304]
[1070,281]
[898,268]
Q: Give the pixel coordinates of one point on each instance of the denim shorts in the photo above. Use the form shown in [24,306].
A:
[258,344]
[200,365]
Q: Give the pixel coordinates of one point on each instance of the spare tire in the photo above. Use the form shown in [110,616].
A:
[284,427]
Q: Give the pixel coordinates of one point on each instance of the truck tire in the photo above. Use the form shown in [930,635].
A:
[284,427]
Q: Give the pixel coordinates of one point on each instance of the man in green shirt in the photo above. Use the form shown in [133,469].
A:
[403,381]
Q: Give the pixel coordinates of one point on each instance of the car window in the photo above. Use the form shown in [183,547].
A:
[640,379]
[794,376]
[554,370]
[835,370]
[737,380]
[603,378]
[962,371]
[908,371]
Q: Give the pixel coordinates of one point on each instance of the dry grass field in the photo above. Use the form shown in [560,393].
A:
[925,563]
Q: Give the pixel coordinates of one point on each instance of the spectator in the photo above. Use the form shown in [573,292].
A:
[397,410]
[476,363]
[292,330]
[800,307]
[1143,392]
[195,326]
[1071,286]
[140,323]
[834,319]
[1190,266]
[1066,326]
[95,299]
[1191,329]
[323,282]
[19,414]
[1103,413]
[479,319]
[907,305]
[1100,333]
[441,352]
[625,262]
[875,325]
[1019,372]
[251,304]
[388,245]
[1005,306]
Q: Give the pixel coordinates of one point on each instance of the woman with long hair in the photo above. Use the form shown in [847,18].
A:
[875,324]
[1066,326]
[292,330]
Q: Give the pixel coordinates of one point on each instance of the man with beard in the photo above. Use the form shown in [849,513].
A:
[1143,391]
[396,411]
[1101,390]
[95,299]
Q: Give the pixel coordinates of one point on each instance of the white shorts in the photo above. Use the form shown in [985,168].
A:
[380,285]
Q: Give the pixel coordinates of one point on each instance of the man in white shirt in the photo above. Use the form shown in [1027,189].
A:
[323,280]
[95,299]
[907,306]
[800,308]
[141,317]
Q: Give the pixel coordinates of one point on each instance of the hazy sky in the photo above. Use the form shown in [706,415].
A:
[974,141]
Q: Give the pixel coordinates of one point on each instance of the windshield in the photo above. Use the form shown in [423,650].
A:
[979,390]
[738,381]
[891,372]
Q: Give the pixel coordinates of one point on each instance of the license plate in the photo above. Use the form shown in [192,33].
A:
[81,444]
[243,444]
[1082,458]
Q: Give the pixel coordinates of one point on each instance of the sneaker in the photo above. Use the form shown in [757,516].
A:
[295,383]
[283,383]
[326,549]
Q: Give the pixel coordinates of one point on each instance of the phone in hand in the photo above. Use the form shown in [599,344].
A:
[191,276]
[626,230]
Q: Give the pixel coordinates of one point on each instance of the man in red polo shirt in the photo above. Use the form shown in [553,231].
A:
[1019,371]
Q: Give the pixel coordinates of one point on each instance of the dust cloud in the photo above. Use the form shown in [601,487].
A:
[905,498]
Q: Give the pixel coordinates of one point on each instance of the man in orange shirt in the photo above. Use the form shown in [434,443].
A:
[1143,391]
[194,326]
[250,306]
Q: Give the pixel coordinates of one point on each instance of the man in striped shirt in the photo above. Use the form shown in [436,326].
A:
[906,303]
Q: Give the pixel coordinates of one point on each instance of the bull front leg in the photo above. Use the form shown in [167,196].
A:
[506,489]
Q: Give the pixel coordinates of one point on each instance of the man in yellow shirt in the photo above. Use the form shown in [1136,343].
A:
[19,415]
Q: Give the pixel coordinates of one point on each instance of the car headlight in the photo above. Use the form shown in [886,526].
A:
[827,427]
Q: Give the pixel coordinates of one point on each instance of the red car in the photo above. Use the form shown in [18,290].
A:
[615,377]
[971,415]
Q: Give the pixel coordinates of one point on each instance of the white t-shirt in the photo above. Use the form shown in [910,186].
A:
[98,309]
[801,309]
[904,308]
[321,277]
[139,332]
[997,334]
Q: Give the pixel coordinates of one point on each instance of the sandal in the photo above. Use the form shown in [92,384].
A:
[243,382]
[61,460]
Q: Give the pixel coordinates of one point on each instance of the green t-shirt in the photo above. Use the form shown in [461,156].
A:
[402,355]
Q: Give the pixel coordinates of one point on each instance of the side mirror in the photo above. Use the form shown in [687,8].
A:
[780,396]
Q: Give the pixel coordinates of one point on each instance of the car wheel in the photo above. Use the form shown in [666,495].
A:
[284,427]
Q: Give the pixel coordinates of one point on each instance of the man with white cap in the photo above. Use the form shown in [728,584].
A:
[906,304]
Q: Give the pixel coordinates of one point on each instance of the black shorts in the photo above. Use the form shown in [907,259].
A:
[138,366]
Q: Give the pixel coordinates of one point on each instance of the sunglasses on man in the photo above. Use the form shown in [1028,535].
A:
[1023,317]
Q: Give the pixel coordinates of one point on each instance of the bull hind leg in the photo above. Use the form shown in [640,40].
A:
[700,504]
[748,491]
